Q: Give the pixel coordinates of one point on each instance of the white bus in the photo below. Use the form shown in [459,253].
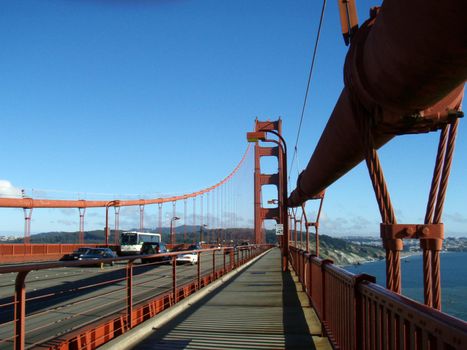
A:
[131,242]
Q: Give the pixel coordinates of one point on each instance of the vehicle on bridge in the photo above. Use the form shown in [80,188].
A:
[99,253]
[75,255]
[150,248]
[189,257]
[131,242]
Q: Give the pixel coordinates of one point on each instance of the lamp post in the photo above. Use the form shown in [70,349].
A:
[201,238]
[261,136]
[107,228]
[172,235]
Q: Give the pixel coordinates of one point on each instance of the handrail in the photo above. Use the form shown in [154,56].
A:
[356,313]
[143,296]
[56,264]
[420,320]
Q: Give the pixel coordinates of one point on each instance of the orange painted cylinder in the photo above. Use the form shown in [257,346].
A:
[405,70]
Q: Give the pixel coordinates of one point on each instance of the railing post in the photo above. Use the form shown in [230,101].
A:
[174,278]
[305,272]
[323,290]
[129,294]
[357,327]
[20,310]
[297,259]
[298,265]
[302,264]
[303,268]
[213,265]
[223,254]
[294,260]
[232,257]
[199,270]
[300,256]
[310,279]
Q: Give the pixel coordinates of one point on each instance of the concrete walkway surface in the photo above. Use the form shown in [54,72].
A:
[258,309]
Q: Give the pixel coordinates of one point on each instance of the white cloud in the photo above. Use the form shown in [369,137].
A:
[69,211]
[339,226]
[7,190]
[66,222]
[456,217]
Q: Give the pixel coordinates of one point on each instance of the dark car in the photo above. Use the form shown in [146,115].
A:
[75,255]
[98,253]
[150,248]
[194,247]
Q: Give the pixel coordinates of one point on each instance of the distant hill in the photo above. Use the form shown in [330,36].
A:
[98,236]
[341,251]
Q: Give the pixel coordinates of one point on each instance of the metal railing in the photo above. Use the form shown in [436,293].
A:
[21,252]
[62,305]
[358,314]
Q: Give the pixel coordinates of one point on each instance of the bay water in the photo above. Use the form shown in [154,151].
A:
[453,279]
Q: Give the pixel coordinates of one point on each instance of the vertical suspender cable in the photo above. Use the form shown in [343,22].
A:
[201,212]
[117,223]
[82,211]
[194,215]
[184,220]
[159,205]
[141,217]
[174,214]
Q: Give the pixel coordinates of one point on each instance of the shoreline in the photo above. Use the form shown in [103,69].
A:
[404,255]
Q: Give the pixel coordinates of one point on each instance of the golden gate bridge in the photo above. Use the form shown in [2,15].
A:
[401,77]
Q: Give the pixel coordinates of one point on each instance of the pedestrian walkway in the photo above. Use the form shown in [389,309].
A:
[258,309]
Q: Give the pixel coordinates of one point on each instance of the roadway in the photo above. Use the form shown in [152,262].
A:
[63,299]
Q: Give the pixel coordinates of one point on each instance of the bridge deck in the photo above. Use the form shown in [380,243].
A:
[258,309]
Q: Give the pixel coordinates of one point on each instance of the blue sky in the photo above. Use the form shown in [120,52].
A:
[155,97]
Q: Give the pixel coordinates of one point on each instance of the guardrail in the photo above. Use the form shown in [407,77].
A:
[358,314]
[20,252]
[92,307]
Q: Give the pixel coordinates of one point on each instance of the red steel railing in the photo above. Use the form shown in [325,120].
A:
[20,252]
[96,309]
[358,314]
[31,252]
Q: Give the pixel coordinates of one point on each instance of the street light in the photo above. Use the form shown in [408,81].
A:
[107,228]
[172,236]
[201,233]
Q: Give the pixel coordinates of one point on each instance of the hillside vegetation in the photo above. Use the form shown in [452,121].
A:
[341,251]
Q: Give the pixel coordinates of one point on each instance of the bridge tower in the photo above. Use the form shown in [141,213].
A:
[260,179]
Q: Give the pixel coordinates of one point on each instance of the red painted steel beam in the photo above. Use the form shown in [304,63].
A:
[405,70]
